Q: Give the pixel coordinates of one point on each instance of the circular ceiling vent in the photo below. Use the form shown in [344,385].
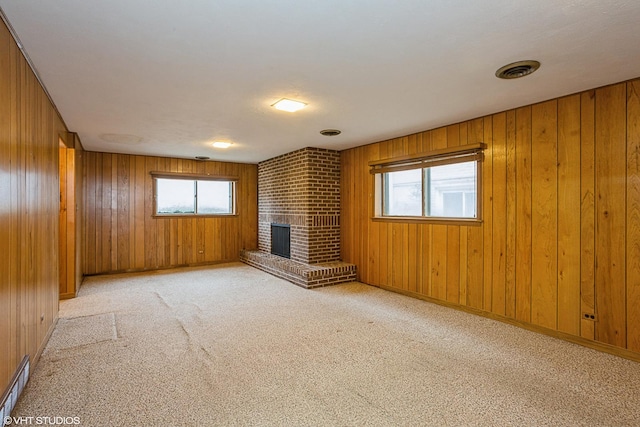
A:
[517,69]
[202,157]
[330,132]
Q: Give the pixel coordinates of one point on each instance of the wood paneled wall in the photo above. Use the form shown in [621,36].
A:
[121,233]
[560,237]
[29,129]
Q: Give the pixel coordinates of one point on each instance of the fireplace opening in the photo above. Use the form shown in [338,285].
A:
[281,240]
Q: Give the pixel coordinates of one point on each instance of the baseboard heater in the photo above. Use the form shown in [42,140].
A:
[17,383]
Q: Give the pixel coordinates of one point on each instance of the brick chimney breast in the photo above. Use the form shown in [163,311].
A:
[302,189]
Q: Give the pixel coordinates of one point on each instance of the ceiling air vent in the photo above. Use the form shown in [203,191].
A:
[517,69]
[330,132]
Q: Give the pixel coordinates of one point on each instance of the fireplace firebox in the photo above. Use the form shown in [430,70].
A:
[281,240]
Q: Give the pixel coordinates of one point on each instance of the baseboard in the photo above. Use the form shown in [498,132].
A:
[605,348]
[169,267]
[43,344]
[67,295]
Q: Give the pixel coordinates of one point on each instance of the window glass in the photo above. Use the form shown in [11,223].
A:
[403,193]
[214,197]
[452,190]
[443,191]
[175,196]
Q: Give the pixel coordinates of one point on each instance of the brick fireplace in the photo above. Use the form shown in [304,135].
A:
[301,189]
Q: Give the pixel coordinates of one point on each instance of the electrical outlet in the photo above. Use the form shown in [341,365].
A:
[589,316]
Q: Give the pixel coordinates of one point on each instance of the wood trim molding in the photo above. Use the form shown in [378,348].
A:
[186,175]
[428,220]
[161,268]
[45,341]
[442,152]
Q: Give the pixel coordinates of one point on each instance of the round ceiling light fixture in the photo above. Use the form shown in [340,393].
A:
[202,157]
[518,69]
[330,132]
[222,144]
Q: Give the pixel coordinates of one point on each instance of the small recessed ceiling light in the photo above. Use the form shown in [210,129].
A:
[289,105]
[517,69]
[330,132]
[202,157]
[221,144]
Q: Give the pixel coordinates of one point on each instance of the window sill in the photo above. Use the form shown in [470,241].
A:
[425,220]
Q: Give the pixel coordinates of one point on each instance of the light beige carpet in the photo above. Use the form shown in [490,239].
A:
[230,345]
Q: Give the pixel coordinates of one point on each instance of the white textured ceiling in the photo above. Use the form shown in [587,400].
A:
[181,74]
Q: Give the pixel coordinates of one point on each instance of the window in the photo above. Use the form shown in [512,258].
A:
[193,195]
[442,185]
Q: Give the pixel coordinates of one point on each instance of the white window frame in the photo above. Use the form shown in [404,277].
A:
[195,178]
[447,156]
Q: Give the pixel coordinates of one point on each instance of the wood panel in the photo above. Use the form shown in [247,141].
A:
[568,292]
[79,208]
[558,248]
[364,208]
[510,218]
[475,235]
[427,234]
[372,274]
[523,214]
[397,230]
[29,214]
[386,252]
[453,236]
[464,241]
[633,216]
[587,215]
[544,215]
[487,214]
[8,316]
[122,234]
[498,237]
[439,236]
[610,215]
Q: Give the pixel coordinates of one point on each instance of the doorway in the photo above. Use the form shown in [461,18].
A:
[67,224]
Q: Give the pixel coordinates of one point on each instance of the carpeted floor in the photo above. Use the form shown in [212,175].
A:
[230,345]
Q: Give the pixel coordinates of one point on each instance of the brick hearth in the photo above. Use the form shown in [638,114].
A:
[305,275]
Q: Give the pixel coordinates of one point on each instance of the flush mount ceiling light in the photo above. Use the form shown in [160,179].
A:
[221,144]
[517,69]
[330,132]
[289,105]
